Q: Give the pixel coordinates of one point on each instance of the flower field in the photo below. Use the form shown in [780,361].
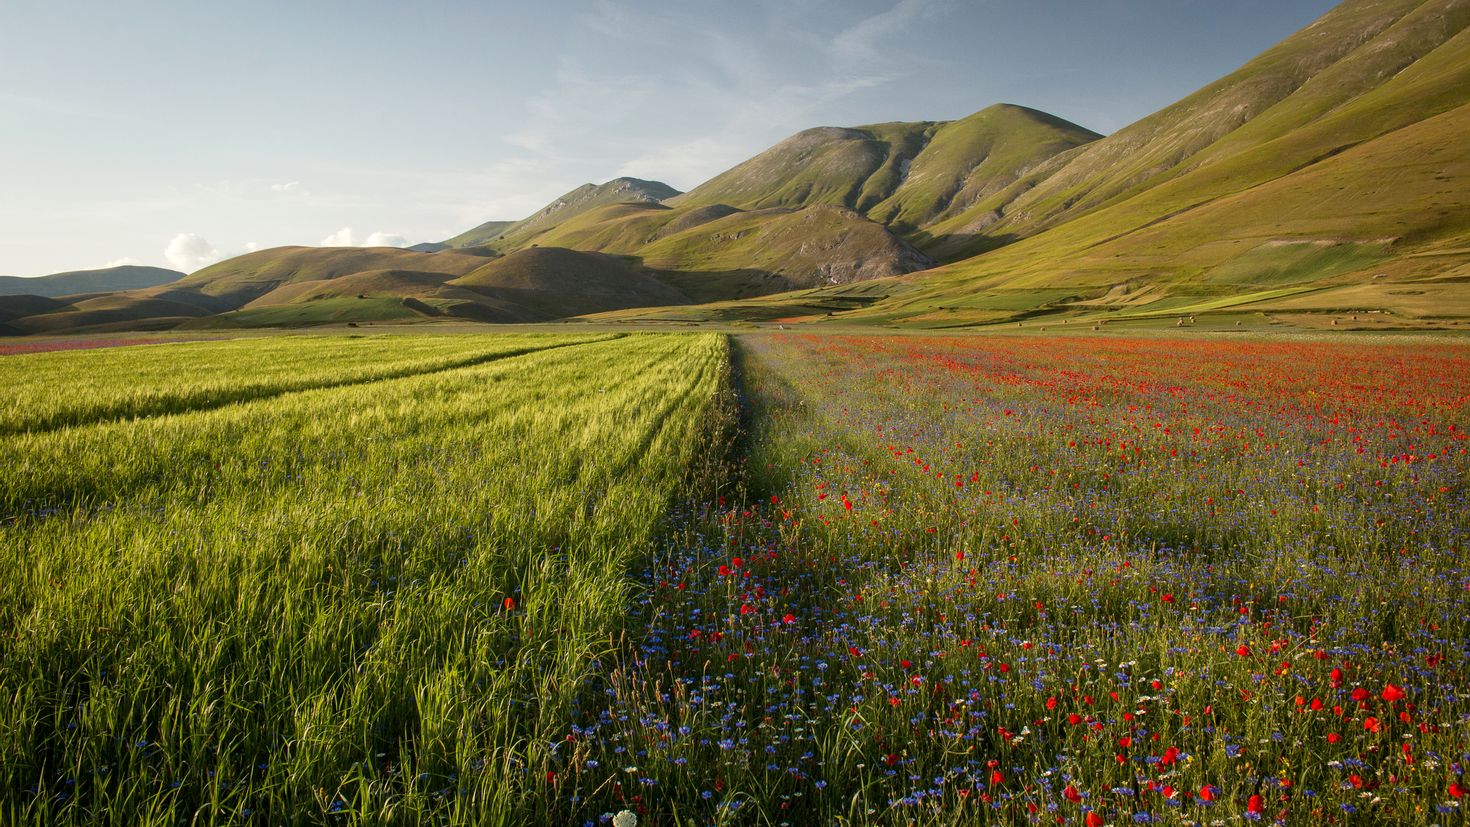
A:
[909,580]
[1060,581]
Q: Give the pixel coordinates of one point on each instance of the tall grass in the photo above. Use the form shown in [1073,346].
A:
[49,390]
[373,603]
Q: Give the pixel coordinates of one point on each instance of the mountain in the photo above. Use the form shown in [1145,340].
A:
[297,286]
[1328,175]
[553,283]
[907,176]
[720,252]
[511,235]
[1327,179]
[107,279]
[474,237]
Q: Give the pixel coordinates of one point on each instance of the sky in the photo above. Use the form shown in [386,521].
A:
[180,133]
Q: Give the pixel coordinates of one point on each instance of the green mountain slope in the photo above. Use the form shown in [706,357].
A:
[525,232]
[1345,54]
[551,283]
[107,279]
[909,176]
[1344,164]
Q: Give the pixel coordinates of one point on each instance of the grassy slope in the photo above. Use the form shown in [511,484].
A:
[126,277]
[1163,145]
[552,282]
[478,236]
[907,175]
[1361,171]
[526,232]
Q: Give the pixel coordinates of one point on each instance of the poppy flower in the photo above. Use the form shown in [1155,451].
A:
[1094,820]
[1071,794]
[1393,693]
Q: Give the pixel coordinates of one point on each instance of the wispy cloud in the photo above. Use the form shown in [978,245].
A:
[290,188]
[862,43]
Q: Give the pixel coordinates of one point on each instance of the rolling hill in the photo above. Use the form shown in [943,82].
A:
[1329,174]
[907,176]
[107,279]
[1326,181]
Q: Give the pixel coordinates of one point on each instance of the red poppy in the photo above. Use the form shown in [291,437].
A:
[1071,794]
[1094,820]
[1256,805]
[1393,693]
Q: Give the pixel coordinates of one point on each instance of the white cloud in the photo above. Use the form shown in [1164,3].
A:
[128,261]
[290,188]
[385,240]
[251,246]
[189,252]
[345,237]
[341,238]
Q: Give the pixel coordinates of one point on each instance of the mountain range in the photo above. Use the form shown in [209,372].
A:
[1324,181]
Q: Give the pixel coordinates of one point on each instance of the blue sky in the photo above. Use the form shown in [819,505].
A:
[177,133]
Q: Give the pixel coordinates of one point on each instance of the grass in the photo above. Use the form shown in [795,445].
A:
[46,391]
[376,601]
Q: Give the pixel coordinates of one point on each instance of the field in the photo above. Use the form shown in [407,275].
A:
[376,600]
[780,579]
